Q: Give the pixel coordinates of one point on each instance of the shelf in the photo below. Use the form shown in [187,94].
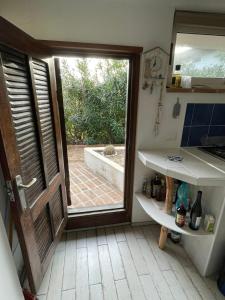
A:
[194,90]
[156,212]
[191,169]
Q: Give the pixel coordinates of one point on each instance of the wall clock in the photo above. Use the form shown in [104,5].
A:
[154,73]
[155,67]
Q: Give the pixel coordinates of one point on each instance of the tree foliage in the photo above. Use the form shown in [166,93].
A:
[95,101]
[203,63]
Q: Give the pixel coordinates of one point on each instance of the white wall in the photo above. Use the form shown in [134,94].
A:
[5,213]
[9,283]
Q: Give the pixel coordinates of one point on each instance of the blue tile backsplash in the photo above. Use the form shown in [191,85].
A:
[203,121]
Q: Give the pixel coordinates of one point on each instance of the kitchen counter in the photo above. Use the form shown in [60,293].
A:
[197,167]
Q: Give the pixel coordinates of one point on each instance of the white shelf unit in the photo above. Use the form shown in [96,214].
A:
[155,210]
[198,169]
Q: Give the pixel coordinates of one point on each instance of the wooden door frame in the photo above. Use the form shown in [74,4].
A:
[108,51]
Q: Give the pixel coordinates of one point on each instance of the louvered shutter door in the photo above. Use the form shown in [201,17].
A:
[32,106]
[16,74]
[41,81]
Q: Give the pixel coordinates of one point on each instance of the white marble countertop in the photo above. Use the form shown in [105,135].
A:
[196,168]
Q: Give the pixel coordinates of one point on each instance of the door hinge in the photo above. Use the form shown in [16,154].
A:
[9,190]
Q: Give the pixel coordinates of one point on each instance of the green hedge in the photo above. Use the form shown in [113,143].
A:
[95,102]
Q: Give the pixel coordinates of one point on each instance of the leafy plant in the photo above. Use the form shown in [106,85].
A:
[95,102]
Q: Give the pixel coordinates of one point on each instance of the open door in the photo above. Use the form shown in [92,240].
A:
[31,149]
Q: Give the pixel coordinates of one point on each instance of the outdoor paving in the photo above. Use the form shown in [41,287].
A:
[87,188]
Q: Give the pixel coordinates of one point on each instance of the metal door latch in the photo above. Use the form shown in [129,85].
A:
[21,187]
[9,190]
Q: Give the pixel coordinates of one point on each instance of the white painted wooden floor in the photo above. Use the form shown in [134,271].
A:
[122,263]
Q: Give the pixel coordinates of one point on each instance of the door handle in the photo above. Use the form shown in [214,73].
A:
[20,189]
[27,186]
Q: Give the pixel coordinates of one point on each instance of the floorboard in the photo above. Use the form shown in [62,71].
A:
[96,292]
[69,274]
[108,283]
[81,239]
[123,290]
[123,263]
[56,278]
[176,289]
[155,272]
[160,256]
[150,290]
[132,276]
[41,297]
[82,286]
[137,256]
[68,295]
[119,232]
[117,265]
[93,260]
[101,238]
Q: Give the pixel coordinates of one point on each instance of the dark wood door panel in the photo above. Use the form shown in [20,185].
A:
[41,202]
[43,232]
[31,146]
[23,118]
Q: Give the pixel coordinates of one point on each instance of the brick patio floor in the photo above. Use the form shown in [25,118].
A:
[87,188]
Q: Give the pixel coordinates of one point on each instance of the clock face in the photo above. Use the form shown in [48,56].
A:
[155,63]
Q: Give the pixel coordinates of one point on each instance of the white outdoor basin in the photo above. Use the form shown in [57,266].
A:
[101,165]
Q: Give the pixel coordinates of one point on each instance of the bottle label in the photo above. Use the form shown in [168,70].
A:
[180,220]
[197,222]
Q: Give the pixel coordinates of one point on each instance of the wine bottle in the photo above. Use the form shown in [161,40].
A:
[156,184]
[180,215]
[196,213]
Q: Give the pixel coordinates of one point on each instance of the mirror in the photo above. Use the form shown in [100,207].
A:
[197,58]
[200,55]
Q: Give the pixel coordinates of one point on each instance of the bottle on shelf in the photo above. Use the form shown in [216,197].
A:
[177,183]
[176,77]
[175,237]
[162,194]
[180,215]
[144,185]
[156,186]
[182,196]
[209,222]
[196,213]
[148,189]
